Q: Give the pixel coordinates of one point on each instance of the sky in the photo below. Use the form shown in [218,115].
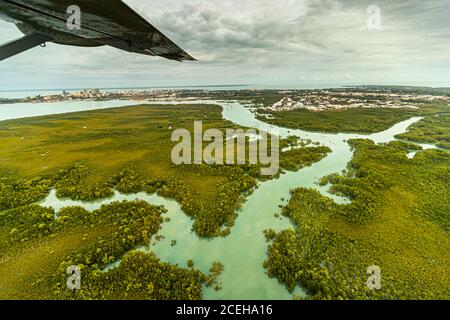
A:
[283,43]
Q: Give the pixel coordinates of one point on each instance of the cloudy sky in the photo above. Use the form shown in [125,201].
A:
[303,43]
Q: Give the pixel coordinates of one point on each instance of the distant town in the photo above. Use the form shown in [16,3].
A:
[324,100]
[270,100]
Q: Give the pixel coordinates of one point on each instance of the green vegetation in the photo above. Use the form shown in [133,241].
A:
[85,156]
[398,220]
[433,129]
[270,234]
[296,159]
[293,142]
[37,249]
[213,278]
[350,120]
[409,89]
[142,276]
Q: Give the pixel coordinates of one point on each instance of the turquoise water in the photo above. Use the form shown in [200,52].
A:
[27,110]
[244,251]
[424,146]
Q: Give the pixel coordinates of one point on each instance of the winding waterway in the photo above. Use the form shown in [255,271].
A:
[244,250]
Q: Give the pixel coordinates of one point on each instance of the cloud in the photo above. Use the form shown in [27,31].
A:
[258,41]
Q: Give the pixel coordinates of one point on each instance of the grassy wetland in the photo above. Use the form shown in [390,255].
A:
[397,220]
[358,120]
[395,215]
[86,156]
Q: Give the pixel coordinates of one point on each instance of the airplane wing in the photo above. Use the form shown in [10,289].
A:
[23,44]
[106,22]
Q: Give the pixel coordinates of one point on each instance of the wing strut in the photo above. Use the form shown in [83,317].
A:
[20,45]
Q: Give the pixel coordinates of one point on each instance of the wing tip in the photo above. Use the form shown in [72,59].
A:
[179,57]
[190,58]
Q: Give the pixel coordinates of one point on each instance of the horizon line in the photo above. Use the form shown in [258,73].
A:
[280,87]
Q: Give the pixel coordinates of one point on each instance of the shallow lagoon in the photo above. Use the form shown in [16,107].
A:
[27,110]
